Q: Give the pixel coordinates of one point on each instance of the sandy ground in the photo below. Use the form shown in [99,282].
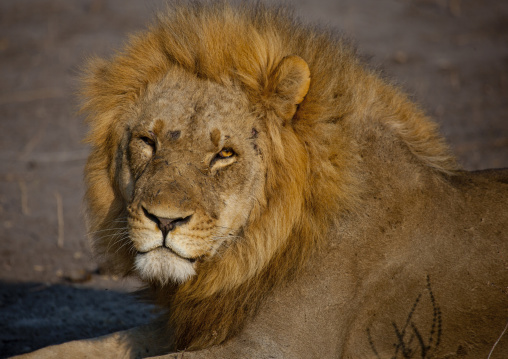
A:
[450,55]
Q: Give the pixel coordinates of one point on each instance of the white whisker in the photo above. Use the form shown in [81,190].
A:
[107,230]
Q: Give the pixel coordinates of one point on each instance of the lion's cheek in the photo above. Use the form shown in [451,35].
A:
[126,183]
[234,215]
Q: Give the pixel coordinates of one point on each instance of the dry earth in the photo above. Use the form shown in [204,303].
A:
[450,55]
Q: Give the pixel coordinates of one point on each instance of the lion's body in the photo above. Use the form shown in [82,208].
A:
[315,221]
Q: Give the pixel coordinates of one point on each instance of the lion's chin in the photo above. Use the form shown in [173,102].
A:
[163,266]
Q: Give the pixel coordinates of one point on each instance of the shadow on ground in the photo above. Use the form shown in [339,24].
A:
[35,315]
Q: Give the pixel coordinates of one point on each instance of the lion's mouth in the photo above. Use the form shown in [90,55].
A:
[164,248]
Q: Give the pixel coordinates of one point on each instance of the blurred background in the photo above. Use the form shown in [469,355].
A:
[451,56]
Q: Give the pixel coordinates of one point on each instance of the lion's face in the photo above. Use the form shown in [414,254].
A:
[191,170]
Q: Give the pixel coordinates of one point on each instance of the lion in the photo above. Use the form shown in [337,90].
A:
[282,200]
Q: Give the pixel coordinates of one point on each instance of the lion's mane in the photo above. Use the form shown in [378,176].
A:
[312,174]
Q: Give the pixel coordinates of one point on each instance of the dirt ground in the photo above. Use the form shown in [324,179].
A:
[450,55]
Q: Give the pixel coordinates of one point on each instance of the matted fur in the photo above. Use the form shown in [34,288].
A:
[311,178]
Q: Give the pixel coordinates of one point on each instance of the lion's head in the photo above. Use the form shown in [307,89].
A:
[192,172]
[190,175]
[218,156]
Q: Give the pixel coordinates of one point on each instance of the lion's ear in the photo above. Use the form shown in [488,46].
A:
[288,85]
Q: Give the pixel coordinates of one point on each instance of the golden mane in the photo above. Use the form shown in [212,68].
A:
[312,173]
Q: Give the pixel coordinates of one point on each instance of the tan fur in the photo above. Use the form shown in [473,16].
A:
[336,175]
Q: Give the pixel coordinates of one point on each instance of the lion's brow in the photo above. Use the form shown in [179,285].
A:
[174,135]
[215,137]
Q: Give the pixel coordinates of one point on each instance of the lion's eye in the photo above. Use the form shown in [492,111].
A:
[149,141]
[223,158]
[225,153]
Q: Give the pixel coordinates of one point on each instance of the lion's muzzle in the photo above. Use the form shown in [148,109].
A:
[166,225]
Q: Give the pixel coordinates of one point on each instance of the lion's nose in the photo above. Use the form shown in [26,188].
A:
[166,225]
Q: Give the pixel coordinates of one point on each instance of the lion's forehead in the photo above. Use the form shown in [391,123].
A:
[196,108]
